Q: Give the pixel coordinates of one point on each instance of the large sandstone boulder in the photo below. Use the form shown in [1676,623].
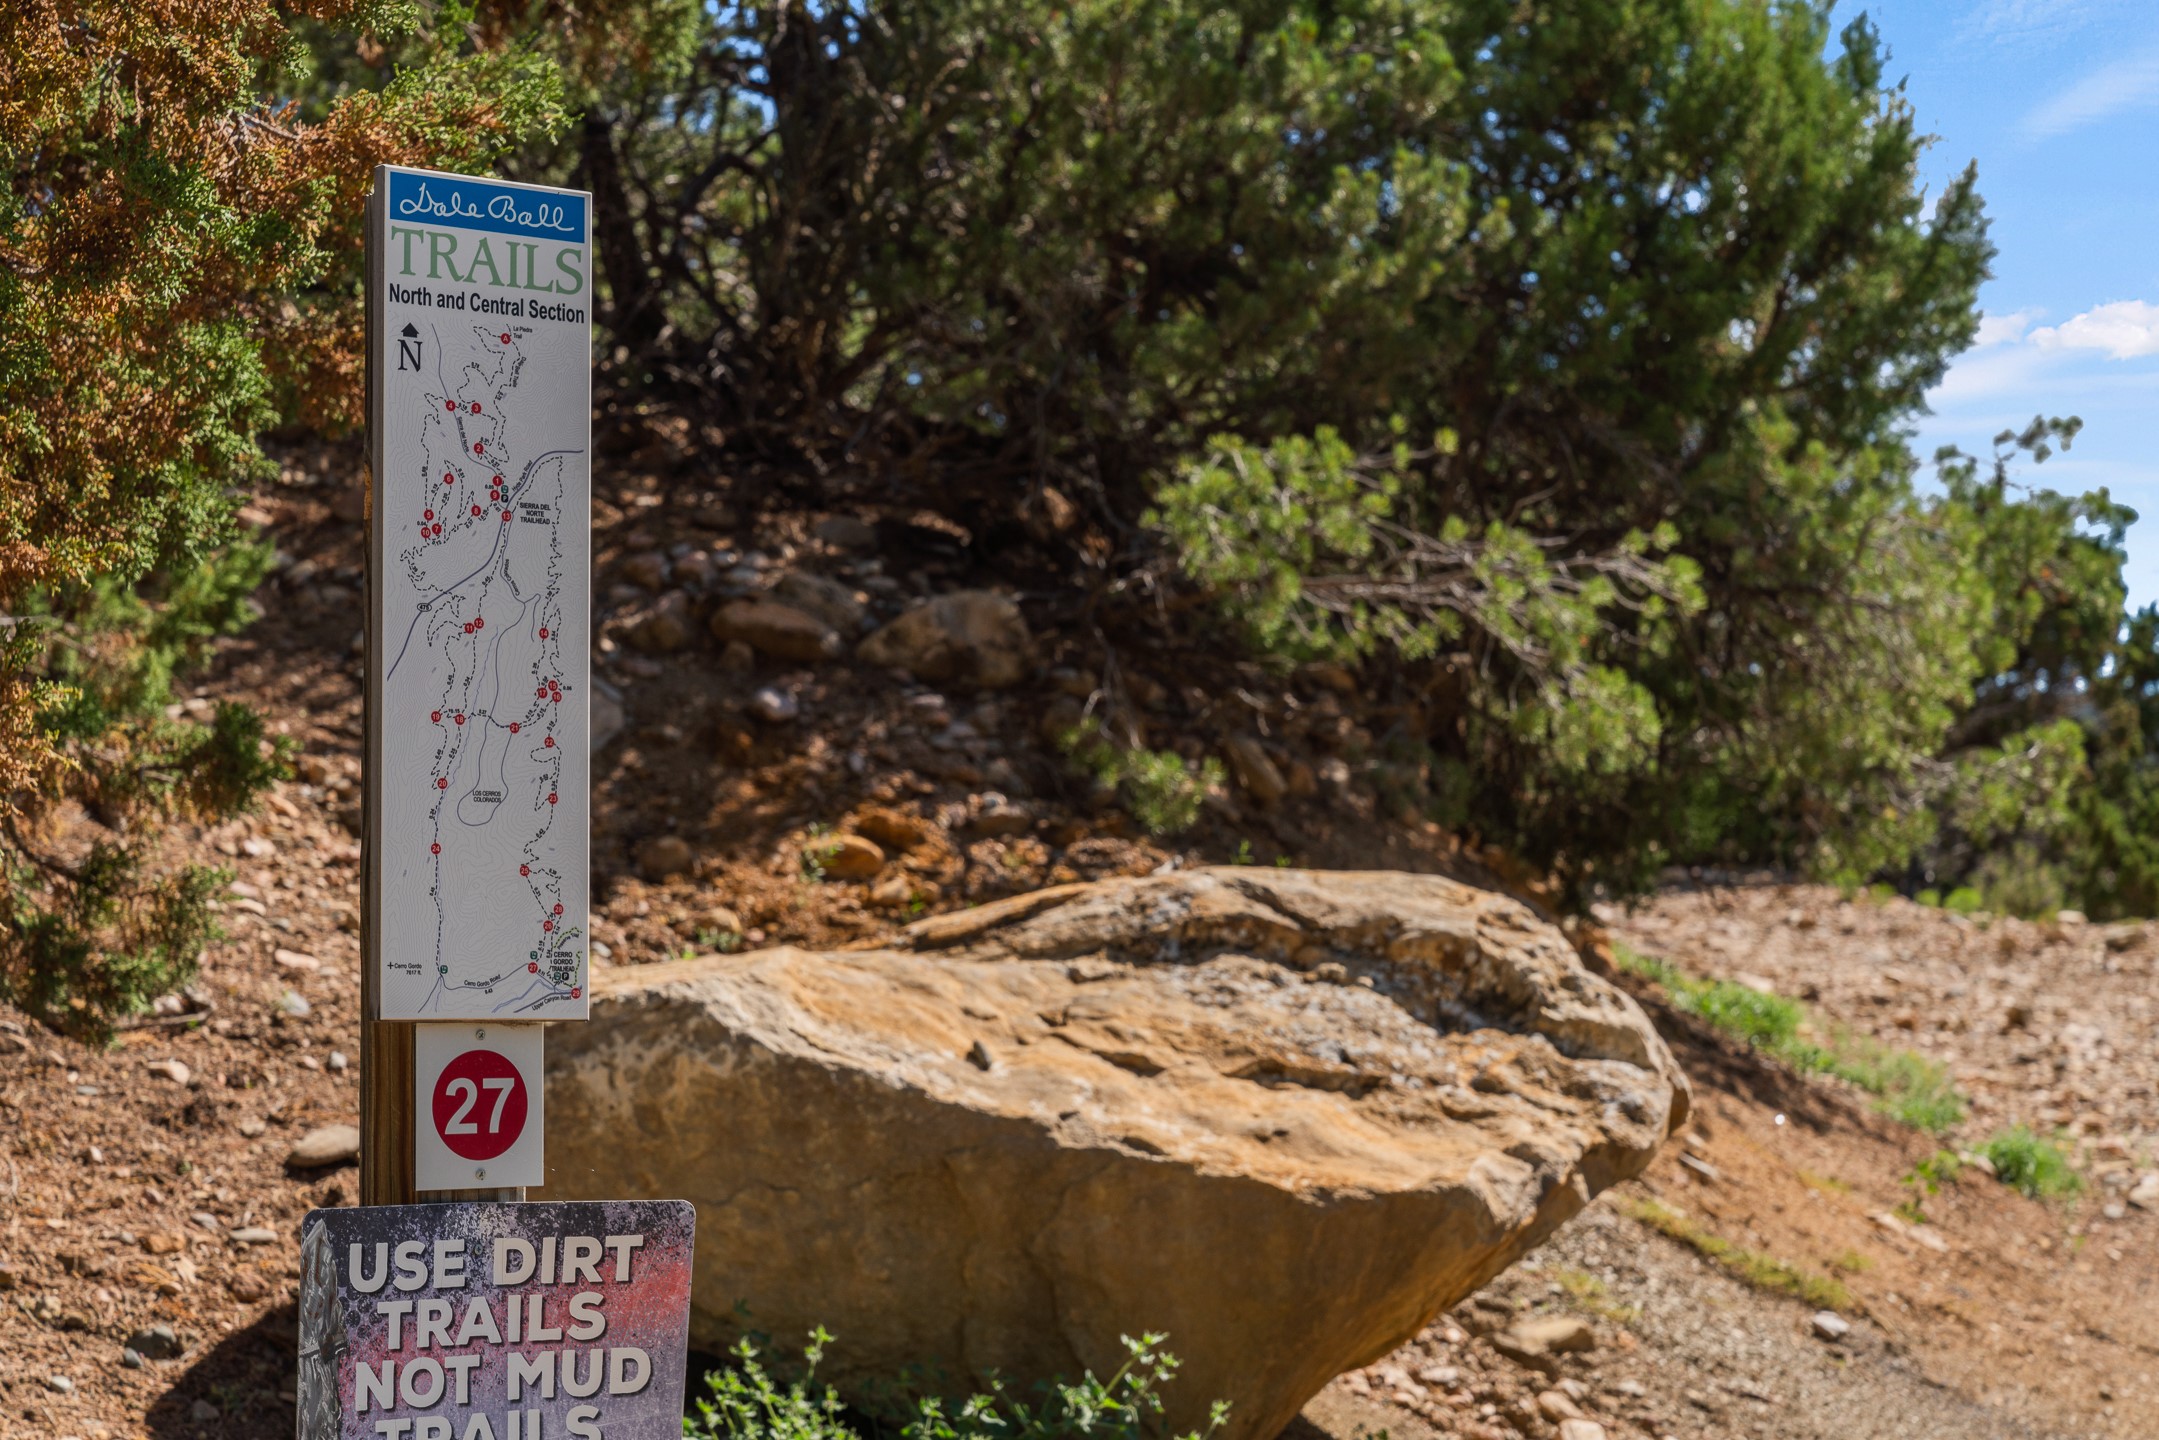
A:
[1284,1116]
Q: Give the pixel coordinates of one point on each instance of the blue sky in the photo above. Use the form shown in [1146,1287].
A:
[2058,102]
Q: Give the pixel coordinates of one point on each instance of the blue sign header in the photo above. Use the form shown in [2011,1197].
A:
[453,200]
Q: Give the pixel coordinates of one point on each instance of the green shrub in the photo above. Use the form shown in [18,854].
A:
[1160,788]
[2032,1163]
[180,247]
[745,1402]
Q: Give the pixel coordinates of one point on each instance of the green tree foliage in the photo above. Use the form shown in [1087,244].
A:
[176,244]
[1555,361]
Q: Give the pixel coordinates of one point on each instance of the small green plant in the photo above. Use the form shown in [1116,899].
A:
[1964,900]
[1161,789]
[1243,855]
[1931,1174]
[745,1402]
[1591,1294]
[727,942]
[1851,1262]
[1770,1021]
[1763,1272]
[815,852]
[2032,1163]
[1910,1088]
[1932,899]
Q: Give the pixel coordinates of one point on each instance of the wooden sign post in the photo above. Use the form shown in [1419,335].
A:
[479,366]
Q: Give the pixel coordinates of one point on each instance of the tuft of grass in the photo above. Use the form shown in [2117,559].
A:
[1908,1087]
[1851,1262]
[1763,1272]
[1591,1294]
[2032,1163]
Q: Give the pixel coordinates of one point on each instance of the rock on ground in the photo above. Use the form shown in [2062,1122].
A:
[1286,1117]
[970,635]
[771,628]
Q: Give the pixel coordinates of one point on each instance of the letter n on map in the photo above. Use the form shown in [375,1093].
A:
[479,620]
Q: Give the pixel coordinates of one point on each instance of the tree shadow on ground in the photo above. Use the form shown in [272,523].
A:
[234,1389]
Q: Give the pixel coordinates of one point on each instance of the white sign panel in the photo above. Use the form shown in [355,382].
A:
[480,365]
[479,1100]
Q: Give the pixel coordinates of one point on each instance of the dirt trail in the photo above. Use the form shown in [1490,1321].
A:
[1975,1311]
[134,1193]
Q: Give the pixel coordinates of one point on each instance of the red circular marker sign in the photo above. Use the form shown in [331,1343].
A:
[479,1105]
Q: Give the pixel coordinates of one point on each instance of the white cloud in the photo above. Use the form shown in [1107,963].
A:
[2027,19]
[2124,329]
[2126,84]
[2004,329]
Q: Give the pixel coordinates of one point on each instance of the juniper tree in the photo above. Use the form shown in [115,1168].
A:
[178,254]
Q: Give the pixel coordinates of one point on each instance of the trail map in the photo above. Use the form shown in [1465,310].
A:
[481,599]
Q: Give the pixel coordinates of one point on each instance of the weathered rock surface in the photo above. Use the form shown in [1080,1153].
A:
[969,635]
[771,628]
[827,599]
[1125,1106]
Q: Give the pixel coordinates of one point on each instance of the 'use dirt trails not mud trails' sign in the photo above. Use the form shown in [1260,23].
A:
[495,1321]
[480,427]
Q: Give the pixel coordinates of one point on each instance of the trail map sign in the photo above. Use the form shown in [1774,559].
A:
[480,567]
[495,1321]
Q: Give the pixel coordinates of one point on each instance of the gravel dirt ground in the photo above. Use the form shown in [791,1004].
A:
[148,1185]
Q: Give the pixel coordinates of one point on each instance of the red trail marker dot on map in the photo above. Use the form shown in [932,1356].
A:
[524,869]
[513,727]
[547,924]
[442,784]
[550,797]
[558,909]
[427,514]
[576,990]
[550,742]
[449,404]
[479,447]
[479,622]
[543,632]
[505,517]
[533,966]
[435,849]
[460,719]
[505,339]
[475,407]
[434,717]
[448,478]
